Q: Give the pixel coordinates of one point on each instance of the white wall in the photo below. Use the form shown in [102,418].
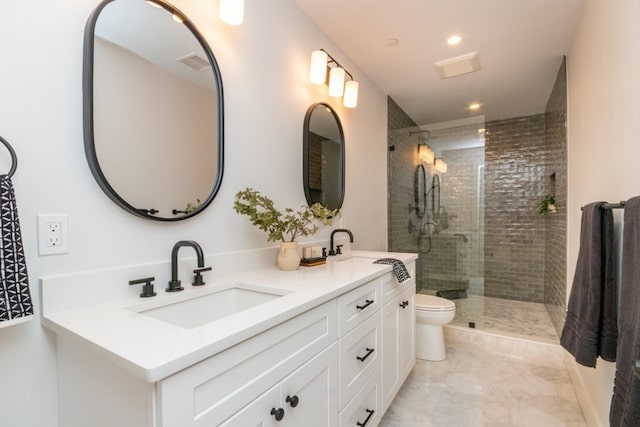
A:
[603,134]
[264,70]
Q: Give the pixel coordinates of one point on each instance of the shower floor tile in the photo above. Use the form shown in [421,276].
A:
[520,318]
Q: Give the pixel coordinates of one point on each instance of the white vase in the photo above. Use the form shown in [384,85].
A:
[288,257]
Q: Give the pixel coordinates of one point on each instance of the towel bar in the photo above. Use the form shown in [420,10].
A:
[14,158]
[611,205]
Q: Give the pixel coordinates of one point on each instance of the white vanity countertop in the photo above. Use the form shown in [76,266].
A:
[152,349]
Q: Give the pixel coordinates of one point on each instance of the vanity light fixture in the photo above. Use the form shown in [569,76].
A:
[425,153]
[320,62]
[441,165]
[232,11]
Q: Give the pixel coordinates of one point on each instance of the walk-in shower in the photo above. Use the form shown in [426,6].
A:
[473,224]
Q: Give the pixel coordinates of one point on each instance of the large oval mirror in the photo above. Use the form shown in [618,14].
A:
[153,109]
[323,157]
[420,188]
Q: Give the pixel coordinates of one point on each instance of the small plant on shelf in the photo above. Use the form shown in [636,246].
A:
[284,226]
[548,205]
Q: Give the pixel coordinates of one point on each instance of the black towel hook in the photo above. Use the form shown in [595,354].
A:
[14,158]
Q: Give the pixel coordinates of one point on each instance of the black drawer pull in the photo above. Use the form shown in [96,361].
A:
[278,413]
[404,304]
[368,303]
[363,358]
[292,400]
[370,412]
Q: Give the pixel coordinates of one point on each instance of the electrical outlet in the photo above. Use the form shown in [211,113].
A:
[52,234]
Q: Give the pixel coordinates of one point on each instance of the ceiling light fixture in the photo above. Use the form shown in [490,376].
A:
[454,40]
[320,62]
[474,106]
[232,11]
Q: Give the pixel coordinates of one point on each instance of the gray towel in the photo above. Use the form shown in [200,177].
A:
[625,403]
[398,268]
[590,326]
[15,298]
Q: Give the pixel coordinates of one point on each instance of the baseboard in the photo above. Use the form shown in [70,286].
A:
[584,398]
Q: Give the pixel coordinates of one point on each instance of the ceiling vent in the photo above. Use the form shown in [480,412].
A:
[194,61]
[462,64]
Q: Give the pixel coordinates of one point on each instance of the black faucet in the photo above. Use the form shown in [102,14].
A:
[174,283]
[338,251]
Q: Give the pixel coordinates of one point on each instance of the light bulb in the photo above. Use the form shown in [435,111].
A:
[336,82]
[426,154]
[350,94]
[232,11]
[318,68]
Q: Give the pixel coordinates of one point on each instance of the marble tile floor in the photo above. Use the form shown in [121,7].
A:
[488,381]
[519,318]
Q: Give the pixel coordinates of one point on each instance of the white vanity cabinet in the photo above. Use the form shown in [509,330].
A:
[337,364]
[215,390]
[304,398]
[398,335]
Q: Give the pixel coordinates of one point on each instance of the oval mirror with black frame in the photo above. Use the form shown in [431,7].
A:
[435,195]
[153,109]
[420,188]
[323,157]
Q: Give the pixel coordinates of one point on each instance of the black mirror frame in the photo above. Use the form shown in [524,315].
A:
[87,103]
[305,154]
[420,193]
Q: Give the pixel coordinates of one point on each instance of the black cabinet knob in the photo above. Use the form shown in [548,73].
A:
[292,400]
[277,413]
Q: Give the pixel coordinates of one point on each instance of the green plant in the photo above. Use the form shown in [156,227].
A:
[192,206]
[547,205]
[284,226]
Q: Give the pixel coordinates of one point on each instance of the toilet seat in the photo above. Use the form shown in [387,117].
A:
[433,303]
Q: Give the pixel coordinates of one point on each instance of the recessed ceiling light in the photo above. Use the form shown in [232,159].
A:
[453,40]
[474,106]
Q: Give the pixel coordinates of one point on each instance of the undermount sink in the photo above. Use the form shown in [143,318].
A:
[228,300]
[364,259]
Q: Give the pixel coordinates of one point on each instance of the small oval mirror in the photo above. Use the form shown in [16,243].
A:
[435,196]
[420,191]
[153,109]
[323,157]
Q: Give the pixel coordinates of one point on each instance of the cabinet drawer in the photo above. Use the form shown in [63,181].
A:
[390,286]
[359,357]
[210,391]
[364,410]
[358,305]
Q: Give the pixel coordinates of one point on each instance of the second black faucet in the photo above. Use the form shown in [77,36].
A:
[337,251]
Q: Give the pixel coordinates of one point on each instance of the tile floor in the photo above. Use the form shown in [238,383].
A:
[488,380]
[518,318]
[508,371]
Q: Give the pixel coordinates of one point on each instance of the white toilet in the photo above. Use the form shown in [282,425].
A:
[432,313]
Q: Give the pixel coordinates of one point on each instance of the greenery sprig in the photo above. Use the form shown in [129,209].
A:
[547,205]
[284,226]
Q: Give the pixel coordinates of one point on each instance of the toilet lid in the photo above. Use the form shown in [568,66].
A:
[433,303]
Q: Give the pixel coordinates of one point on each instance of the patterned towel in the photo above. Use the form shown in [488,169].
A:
[15,298]
[398,268]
